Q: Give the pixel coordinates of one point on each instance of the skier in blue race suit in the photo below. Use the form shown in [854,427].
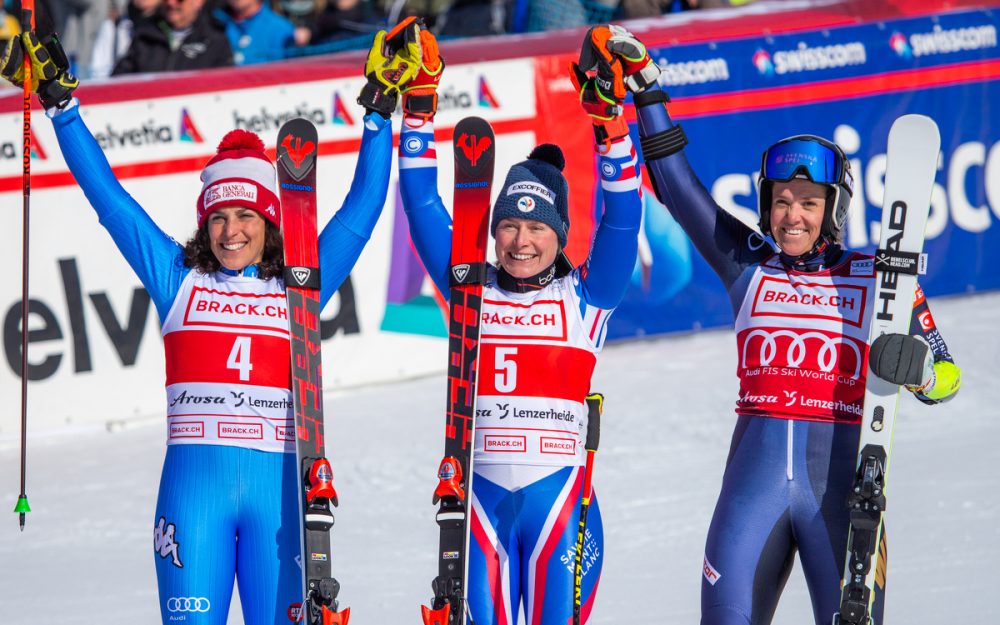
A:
[802,329]
[543,325]
[230,469]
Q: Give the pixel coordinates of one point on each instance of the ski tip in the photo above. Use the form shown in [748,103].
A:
[916,126]
[297,148]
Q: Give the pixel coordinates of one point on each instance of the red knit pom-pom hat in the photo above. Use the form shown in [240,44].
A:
[240,174]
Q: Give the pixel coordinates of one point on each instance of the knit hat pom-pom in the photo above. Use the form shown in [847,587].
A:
[240,139]
[549,153]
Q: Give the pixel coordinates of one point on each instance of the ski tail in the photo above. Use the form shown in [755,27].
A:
[297,150]
[475,147]
[912,155]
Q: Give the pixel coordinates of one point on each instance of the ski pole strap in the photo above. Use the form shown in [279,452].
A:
[910,263]
[595,406]
[663,144]
[650,97]
[302,277]
[464,274]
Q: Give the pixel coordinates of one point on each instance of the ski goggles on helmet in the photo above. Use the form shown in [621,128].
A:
[806,156]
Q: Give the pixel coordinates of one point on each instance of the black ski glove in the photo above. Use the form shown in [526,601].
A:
[901,359]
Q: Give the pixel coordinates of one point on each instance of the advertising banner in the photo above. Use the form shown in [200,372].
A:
[96,354]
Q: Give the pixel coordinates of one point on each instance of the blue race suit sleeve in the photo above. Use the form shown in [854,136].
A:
[430,224]
[345,236]
[729,245]
[616,243]
[155,257]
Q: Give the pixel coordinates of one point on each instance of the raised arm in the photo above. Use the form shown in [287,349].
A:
[392,62]
[345,235]
[724,241]
[154,257]
[430,224]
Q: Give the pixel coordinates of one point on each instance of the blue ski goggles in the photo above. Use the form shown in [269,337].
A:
[816,158]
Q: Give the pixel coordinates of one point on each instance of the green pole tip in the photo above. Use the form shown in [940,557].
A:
[22,505]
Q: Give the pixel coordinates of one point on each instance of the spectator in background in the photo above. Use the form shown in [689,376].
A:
[345,19]
[10,27]
[472,18]
[179,36]
[256,33]
[115,35]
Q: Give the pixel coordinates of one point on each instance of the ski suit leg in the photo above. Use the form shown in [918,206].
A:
[750,547]
[267,571]
[527,537]
[193,534]
[494,582]
[825,459]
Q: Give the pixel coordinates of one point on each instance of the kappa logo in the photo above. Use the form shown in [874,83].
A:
[164,542]
[301,274]
[473,146]
[461,272]
[297,151]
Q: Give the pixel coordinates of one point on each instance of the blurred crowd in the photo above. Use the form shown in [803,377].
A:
[113,37]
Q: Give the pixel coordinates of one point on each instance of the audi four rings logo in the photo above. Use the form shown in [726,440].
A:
[795,354]
[188,604]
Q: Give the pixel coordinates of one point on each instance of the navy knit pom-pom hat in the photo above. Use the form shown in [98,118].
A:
[536,189]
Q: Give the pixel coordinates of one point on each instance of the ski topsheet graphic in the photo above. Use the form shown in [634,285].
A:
[474,158]
[914,143]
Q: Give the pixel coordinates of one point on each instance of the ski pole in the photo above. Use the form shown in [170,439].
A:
[27,24]
[595,405]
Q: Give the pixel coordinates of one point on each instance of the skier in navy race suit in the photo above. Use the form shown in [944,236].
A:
[802,326]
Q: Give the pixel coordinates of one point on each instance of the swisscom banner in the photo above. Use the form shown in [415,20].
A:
[735,98]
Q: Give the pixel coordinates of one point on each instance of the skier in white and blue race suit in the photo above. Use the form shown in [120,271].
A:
[544,323]
[802,326]
[229,490]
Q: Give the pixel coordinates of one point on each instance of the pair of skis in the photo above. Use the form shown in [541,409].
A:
[296,164]
[912,155]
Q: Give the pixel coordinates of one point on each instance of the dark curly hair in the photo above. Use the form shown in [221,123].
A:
[198,252]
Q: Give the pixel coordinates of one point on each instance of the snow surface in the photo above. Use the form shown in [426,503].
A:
[85,554]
